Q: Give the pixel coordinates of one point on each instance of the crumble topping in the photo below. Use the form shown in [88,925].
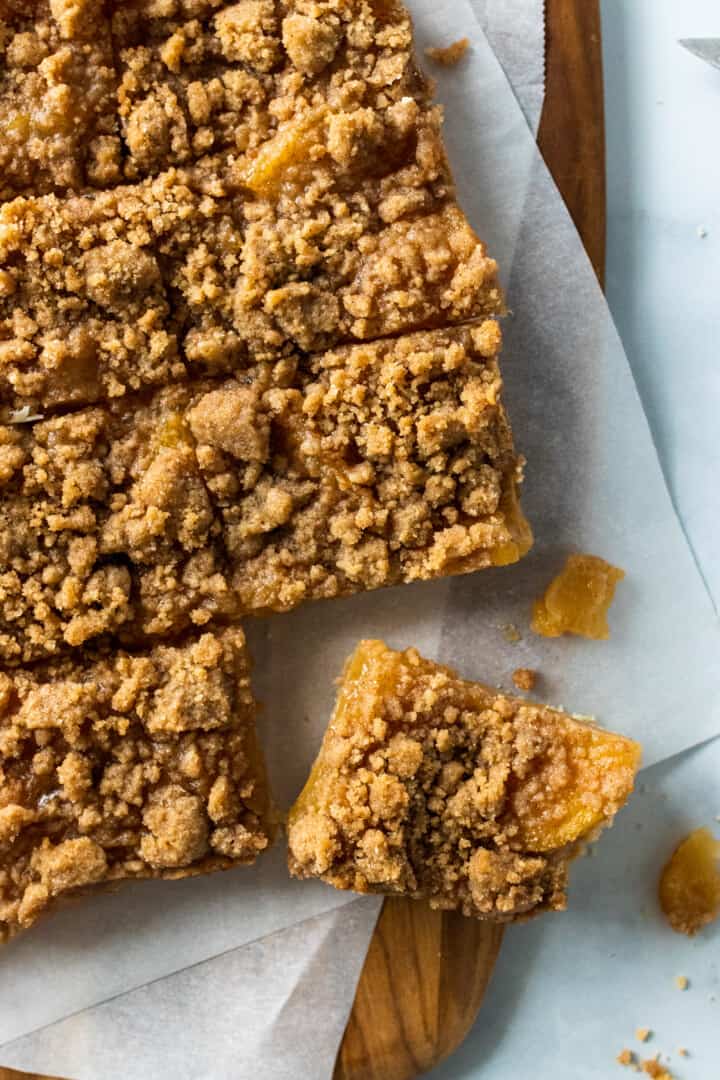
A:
[93,93]
[366,466]
[437,788]
[57,89]
[127,766]
[448,55]
[107,294]
[261,196]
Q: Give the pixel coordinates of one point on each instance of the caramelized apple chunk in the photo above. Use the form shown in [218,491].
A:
[433,787]
[689,888]
[578,599]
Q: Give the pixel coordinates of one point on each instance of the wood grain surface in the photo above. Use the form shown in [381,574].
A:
[426,972]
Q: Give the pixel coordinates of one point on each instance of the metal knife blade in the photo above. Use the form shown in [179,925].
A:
[707,49]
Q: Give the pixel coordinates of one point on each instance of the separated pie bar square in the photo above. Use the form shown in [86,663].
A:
[364,466]
[433,787]
[128,765]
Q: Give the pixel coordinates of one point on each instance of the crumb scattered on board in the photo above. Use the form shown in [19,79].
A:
[511,633]
[626,1057]
[643,1034]
[448,55]
[682,982]
[682,1051]
[524,678]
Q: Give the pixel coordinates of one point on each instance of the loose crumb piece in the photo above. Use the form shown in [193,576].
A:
[643,1034]
[682,1051]
[511,633]
[653,1068]
[432,787]
[578,599]
[524,678]
[448,55]
[689,889]
[682,982]
[626,1057]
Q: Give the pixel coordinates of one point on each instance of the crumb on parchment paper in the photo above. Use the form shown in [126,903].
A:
[654,1068]
[643,1034]
[682,982]
[448,55]
[524,678]
[689,887]
[626,1057]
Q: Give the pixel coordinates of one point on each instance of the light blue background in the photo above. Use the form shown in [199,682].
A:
[663,287]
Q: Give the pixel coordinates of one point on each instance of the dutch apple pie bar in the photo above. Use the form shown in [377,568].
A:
[434,787]
[249,357]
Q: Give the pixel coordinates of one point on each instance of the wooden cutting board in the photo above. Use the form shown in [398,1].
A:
[426,972]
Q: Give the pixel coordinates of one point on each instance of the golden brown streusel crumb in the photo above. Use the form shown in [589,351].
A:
[127,766]
[643,1034]
[95,92]
[362,467]
[432,787]
[682,982]
[689,888]
[448,55]
[626,1057]
[682,1051]
[524,678]
[653,1068]
[578,599]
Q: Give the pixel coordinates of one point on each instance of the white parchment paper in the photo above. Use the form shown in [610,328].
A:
[515,30]
[593,484]
[238,1015]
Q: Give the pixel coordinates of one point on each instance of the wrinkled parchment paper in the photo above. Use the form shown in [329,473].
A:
[593,483]
[516,32]
[268,1010]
